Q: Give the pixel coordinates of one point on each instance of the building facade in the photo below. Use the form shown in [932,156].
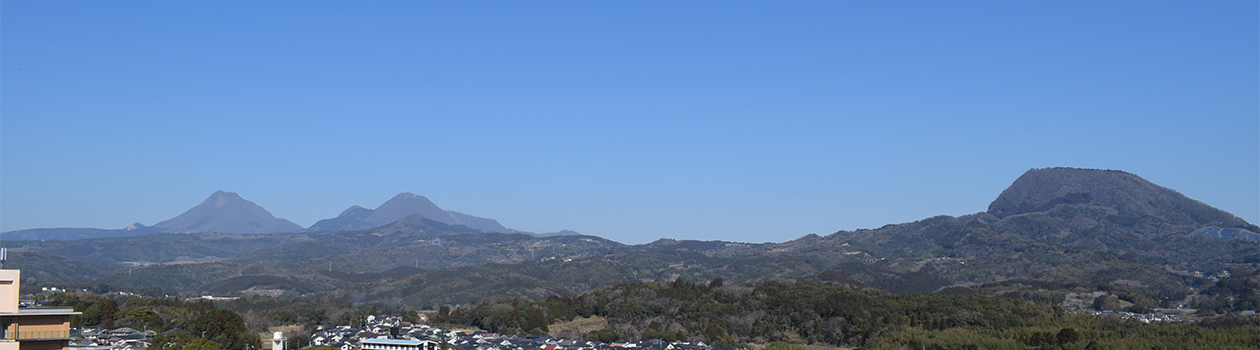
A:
[30,328]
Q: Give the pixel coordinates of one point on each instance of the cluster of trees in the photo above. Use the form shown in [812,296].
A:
[222,328]
[508,317]
[184,341]
[1231,294]
[819,312]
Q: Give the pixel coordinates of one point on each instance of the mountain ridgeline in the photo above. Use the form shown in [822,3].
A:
[1053,231]
[402,205]
[227,212]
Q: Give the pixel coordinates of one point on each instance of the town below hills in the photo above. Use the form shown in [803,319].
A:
[1078,239]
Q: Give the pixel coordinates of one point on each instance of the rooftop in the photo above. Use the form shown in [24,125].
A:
[42,311]
[396,341]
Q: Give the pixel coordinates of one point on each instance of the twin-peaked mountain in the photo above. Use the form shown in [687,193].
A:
[228,212]
[403,205]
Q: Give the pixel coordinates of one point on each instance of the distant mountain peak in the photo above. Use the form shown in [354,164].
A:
[1040,190]
[557,233]
[402,205]
[227,212]
[353,209]
[407,197]
[221,198]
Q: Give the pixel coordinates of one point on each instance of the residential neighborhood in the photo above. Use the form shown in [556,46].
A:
[392,333]
[124,338]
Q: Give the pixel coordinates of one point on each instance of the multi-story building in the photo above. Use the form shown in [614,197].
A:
[30,328]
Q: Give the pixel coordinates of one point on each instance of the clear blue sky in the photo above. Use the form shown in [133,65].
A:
[631,120]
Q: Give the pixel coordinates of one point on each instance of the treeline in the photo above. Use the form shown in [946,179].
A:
[776,310]
[1106,333]
[819,312]
[1083,332]
[223,329]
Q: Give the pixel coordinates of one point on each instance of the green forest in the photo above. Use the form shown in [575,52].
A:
[800,312]
[788,313]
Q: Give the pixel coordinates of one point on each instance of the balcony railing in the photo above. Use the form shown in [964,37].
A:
[37,335]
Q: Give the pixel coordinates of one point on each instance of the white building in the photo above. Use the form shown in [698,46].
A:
[398,344]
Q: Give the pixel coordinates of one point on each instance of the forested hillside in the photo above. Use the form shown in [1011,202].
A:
[813,312]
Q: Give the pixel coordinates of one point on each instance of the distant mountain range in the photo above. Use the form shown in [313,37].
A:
[227,212]
[1053,231]
[68,233]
